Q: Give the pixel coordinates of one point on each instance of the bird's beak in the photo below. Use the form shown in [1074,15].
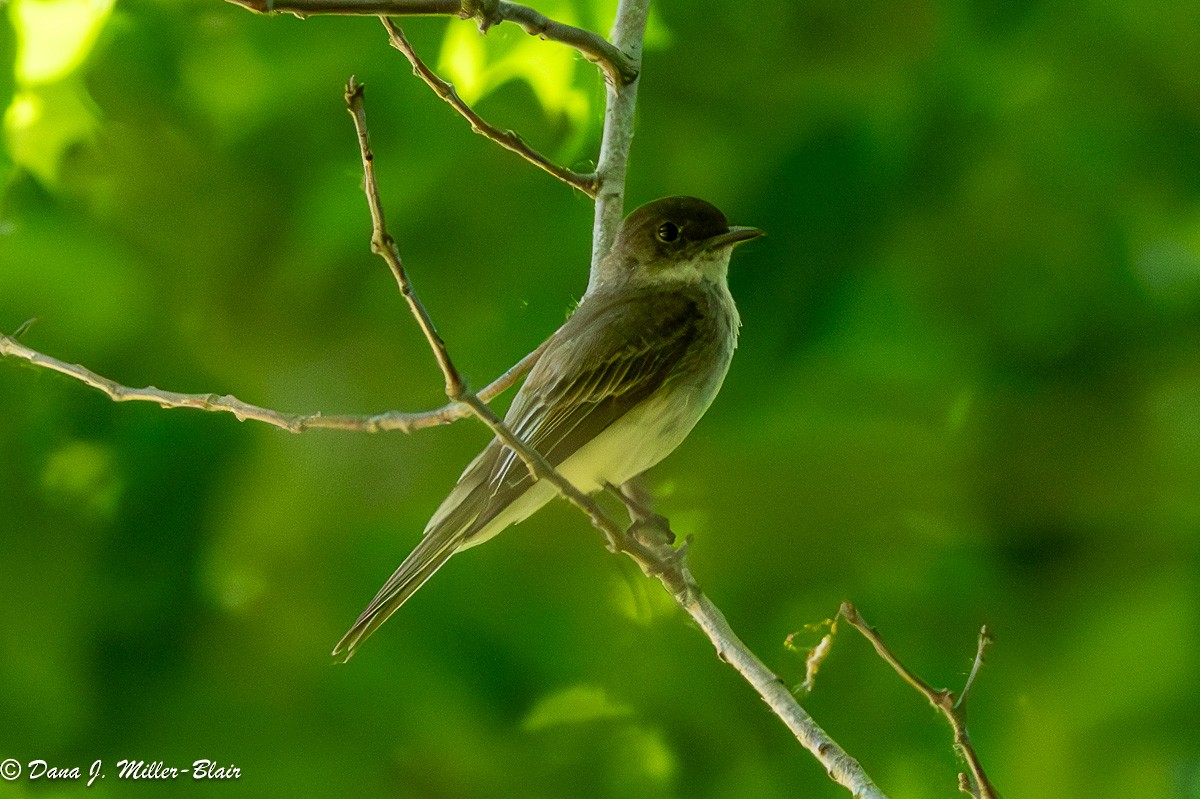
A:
[735,235]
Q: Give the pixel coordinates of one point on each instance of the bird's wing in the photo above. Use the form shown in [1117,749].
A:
[600,364]
[584,383]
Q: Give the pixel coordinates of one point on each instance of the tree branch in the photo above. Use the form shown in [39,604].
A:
[10,347]
[977,785]
[383,245]
[628,32]
[619,68]
[653,553]
[507,139]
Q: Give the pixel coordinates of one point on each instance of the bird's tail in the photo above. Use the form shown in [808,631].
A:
[464,519]
[434,550]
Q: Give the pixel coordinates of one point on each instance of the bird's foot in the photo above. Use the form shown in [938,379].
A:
[652,530]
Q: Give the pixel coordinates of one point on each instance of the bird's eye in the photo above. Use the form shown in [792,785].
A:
[668,232]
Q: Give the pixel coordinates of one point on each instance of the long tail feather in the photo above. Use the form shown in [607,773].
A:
[463,520]
[433,551]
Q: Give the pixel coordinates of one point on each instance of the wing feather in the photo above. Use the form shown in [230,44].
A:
[606,359]
[579,389]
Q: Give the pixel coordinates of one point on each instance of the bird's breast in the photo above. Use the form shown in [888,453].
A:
[652,429]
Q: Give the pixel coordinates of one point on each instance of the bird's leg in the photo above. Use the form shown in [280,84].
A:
[635,493]
[648,527]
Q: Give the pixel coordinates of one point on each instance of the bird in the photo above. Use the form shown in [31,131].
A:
[617,388]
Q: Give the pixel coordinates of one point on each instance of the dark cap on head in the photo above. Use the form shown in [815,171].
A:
[669,224]
[675,227]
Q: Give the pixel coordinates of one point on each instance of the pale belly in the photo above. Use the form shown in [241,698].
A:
[631,445]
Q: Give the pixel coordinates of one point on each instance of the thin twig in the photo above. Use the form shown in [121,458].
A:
[985,640]
[508,139]
[619,69]
[24,328]
[977,785]
[657,559]
[383,245]
[291,422]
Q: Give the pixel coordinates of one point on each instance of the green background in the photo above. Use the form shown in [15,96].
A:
[967,392]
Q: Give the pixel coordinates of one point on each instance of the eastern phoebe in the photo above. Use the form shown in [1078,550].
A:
[618,387]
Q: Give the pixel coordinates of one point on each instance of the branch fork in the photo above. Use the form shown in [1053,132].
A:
[974,782]
[588,183]
[618,67]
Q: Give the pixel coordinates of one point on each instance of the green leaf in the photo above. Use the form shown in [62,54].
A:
[47,107]
[574,705]
[478,66]
[56,36]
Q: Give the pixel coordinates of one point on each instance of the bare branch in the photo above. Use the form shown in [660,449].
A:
[383,245]
[508,139]
[619,68]
[977,785]
[291,422]
[656,557]
[628,32]
[985,640]
[514,373]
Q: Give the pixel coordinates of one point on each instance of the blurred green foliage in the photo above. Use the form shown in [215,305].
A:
[968,391]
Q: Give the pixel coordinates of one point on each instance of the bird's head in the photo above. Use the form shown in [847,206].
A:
[673,239]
